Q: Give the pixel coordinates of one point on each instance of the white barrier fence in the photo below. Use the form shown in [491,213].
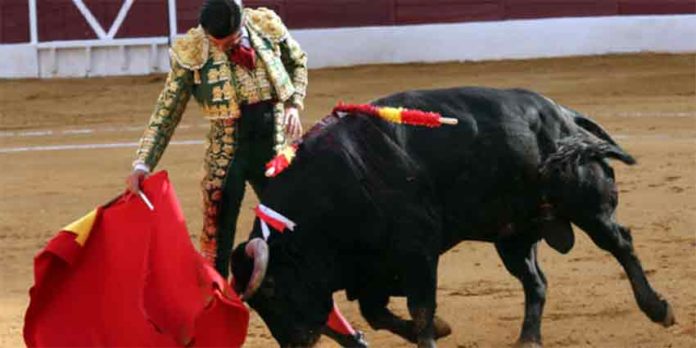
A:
[103,56]
[512,39]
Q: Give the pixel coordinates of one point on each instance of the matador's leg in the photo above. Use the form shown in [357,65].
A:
[219,154]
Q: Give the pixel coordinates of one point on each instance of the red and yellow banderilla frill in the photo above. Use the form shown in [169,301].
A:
[397,115]
[389,114]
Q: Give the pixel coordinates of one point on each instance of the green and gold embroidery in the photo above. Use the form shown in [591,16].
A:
[217,94]
[192,50]
[247,84]
[223,110]
[219,57]
[233,110]
[213,75]
[221,132]
[225,72]
[228,91]
[166,116]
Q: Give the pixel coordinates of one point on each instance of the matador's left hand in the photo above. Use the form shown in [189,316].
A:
[293,126]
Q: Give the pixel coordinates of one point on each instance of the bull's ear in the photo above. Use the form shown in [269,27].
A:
[558,234]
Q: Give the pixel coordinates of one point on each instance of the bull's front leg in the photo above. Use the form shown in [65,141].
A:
[374,310]
[617,240]
[520,259]
[419,277]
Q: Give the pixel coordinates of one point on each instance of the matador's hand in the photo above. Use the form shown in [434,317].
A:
[135,179]
[293,126]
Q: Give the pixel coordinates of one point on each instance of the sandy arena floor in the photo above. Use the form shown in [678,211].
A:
[648,102]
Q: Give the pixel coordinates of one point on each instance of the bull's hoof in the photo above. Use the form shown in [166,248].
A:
[426,343]
[441,328]
[669,319]
[356,340]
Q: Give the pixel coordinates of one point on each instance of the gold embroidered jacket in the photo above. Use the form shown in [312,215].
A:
[201,70]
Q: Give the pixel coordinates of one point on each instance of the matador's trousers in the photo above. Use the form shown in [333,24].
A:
[237,152]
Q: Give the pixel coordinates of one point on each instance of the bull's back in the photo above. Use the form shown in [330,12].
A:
[485,168]
[495,126]
[476,103]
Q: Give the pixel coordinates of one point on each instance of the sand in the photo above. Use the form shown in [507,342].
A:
[647,102]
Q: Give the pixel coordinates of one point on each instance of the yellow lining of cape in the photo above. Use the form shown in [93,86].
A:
[82,227]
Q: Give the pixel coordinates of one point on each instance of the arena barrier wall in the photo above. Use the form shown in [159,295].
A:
[82,38]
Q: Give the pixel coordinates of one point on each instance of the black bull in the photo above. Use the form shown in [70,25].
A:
[376,204]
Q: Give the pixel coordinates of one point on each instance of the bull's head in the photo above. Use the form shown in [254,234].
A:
[289,308]
[580,183]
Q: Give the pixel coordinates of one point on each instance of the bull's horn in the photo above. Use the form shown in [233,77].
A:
[257,249]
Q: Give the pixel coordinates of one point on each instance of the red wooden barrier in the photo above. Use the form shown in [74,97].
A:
[558,8]
[146,18]
[439,11]
[338,13]
[187,14]
[61,20]
[14,21]
[646,7]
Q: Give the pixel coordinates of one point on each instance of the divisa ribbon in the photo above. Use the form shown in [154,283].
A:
[268,216]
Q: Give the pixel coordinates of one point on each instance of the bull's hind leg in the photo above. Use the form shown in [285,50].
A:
[617,240]
[520,259]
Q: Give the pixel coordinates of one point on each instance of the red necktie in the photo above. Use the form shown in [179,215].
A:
[244,56]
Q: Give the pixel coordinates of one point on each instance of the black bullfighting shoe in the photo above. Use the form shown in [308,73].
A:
[356,340]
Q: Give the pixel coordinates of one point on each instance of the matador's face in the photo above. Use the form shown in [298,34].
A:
[228,42]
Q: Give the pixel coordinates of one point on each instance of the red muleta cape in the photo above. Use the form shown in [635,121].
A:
[127,276]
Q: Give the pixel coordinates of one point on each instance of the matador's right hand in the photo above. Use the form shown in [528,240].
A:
[135,180]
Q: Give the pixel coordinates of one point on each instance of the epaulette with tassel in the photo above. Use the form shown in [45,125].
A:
[192,51]
[268,23]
